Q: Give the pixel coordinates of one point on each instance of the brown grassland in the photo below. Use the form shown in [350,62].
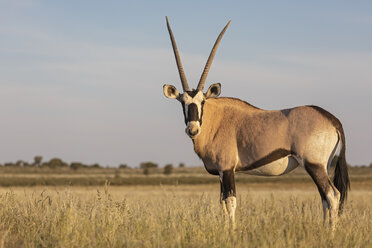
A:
[69,208]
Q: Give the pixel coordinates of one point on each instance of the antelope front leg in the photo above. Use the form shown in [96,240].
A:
[228,194]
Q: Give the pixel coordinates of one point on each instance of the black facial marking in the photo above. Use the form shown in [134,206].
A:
[193,112]
[202,111]
[192,93]
[192,109]
[184,115]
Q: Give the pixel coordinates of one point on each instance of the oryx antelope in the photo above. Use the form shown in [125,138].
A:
[230,135]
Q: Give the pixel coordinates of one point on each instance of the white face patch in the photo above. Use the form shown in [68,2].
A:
[197,100]
[193,125]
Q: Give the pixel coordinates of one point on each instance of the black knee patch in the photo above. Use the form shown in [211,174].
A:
[228,184]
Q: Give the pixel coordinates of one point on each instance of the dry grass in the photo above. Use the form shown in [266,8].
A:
[177,216]
[41,176]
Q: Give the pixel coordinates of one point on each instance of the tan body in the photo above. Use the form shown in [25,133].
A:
[235,135]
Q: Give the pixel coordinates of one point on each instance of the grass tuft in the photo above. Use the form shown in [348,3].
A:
[176,216]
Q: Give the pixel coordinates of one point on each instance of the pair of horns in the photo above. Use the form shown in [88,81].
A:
[203,77]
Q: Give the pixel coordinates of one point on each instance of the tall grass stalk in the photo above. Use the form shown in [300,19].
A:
[176,216]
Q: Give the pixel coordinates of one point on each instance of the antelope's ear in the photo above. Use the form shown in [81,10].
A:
[170,91]
[214,90]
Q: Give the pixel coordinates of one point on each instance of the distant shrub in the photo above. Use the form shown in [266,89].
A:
[146,171]
[76,165]
[181,165]
[144,165]
[9,164]
[95,166]
[168,169]
[56,163]
[19,163]
[22,163]
[123,166]
[37,160]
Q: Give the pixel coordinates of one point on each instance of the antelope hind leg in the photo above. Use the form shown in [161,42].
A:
[328,192]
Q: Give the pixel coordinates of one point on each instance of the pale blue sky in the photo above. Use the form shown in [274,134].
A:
[82,80]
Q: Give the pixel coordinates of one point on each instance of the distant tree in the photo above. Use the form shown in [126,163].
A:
[168,169]
[9,164]
[76,165]
[19,163]
[181,165]
[56,163]
[370,165]
[37,160]
[123,166]
[95,166]
[25,164]
[144,165]
[146,171]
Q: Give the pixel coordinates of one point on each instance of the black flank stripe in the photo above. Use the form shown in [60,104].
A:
[275,155]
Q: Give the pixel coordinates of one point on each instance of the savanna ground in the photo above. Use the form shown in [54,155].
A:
[67,208]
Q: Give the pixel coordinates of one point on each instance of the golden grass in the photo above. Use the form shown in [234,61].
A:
[177,216]
[40,176]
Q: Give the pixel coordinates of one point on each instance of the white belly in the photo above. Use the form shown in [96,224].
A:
[276,168]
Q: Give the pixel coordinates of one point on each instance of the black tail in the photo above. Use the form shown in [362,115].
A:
[341,176]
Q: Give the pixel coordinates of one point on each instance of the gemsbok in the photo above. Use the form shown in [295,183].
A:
[231,135]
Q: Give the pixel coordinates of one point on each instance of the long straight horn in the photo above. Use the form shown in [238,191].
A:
[185,85]
[210,59]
